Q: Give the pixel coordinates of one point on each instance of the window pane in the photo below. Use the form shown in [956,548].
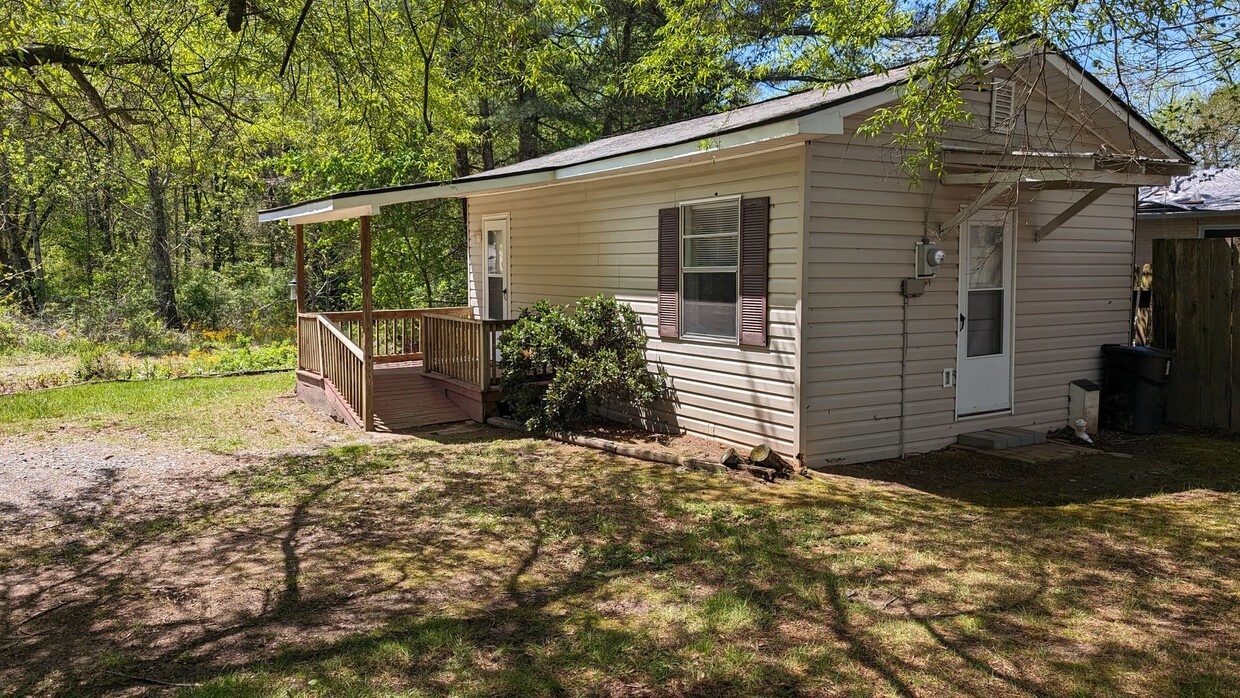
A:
[985,323]
[985,256]
[711,252]
[495,298]
[711,218]
[495,251]
[708,304]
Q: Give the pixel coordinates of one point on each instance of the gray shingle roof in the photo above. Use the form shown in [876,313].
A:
[1207,189]
[705,127]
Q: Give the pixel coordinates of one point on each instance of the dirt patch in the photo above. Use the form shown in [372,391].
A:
[59,476]
[1125,466]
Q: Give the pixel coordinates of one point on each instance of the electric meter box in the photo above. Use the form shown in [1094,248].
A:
[929,257]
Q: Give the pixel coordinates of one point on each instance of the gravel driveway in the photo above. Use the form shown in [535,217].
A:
[82,477]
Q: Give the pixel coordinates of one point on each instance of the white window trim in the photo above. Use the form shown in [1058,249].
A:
[480,284]
[1201,229]
[680,274]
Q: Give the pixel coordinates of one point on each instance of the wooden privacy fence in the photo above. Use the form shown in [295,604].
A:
[462,348]
[1196,315]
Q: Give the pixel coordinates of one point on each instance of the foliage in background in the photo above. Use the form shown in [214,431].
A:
[1209,127]
[35,355]
[559,362]
[138,137]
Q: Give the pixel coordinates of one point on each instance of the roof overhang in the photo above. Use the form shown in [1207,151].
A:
[1057,179]
[759,137]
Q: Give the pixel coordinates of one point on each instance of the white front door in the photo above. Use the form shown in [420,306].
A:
[984,340]
[494,289]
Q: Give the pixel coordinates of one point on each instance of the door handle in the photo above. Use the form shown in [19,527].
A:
[961,329]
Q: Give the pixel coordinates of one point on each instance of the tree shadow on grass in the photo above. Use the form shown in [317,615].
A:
[1164,465]
[529,568]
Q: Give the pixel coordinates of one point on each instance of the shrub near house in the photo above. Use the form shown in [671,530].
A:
[559,362]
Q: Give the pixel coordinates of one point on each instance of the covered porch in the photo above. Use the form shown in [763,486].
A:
[388,370]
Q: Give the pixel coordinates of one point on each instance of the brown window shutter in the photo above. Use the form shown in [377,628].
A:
[755,226]
[669,272]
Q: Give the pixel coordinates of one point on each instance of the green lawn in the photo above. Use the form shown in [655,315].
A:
[474,563]
[218,414]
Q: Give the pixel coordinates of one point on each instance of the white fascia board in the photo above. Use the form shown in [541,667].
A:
[345,206]
[336,214]
[317,212]
[459,189]
[306,209]
[1108,101]
[822,123]
[869,102]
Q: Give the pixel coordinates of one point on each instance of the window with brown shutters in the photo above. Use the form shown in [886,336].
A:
[755,228]
[713,270]
[709,266]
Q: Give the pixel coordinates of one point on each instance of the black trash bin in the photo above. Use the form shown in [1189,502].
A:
[1133,387]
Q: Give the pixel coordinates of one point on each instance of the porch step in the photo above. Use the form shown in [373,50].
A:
[1001,438]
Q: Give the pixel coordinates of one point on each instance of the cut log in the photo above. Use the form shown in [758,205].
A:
[732,459]
[762,455]
[758,471]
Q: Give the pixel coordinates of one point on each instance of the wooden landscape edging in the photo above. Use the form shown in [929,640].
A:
[651,455]
[654,455]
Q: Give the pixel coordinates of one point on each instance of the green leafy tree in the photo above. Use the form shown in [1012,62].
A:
[1208,127]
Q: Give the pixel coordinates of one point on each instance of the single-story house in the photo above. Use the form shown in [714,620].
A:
[1204,204]
[796,290]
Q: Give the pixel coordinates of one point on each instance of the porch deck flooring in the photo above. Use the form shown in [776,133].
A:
[405,398]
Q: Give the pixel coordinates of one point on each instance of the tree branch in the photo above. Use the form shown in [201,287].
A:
[292,40]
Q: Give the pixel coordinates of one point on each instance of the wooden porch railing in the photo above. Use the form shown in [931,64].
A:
[344,366]
[462,348]
[308,356]
[395,333]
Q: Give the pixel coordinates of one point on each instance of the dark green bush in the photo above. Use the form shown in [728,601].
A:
[558,363]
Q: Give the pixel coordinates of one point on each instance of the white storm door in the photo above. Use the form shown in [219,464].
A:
[984,340]
[495,272]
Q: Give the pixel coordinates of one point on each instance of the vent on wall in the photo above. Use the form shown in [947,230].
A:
[1002,105]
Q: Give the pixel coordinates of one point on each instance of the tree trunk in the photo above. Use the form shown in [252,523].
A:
[488,145]
[38,287]
[88,247]
[161,254]
[527,128]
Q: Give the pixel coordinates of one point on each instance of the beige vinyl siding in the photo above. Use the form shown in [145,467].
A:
[1173,226]
[575,239]
[1073,294]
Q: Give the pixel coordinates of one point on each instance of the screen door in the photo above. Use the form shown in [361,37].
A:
[984,340]
[495,291]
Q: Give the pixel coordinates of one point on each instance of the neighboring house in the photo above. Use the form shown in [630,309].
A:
[771,253]
[1204,204]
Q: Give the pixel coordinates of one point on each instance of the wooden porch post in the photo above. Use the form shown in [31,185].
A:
[368,348]
[301,267]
